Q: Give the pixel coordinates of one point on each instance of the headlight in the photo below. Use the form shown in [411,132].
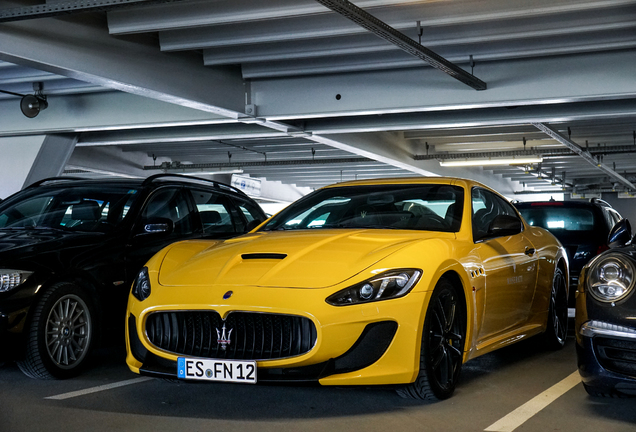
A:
[10,279]
[388,285]
[611,277]
[141,287]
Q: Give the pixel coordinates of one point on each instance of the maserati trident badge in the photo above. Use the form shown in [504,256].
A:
[223,338]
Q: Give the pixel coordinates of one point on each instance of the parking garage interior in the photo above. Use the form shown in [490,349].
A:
[536,100]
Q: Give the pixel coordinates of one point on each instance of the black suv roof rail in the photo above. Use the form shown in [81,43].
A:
[49,179]
[193,179]
[600,201]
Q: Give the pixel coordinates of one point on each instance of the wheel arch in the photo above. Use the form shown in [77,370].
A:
[455,279]
[562,264]
[455,273]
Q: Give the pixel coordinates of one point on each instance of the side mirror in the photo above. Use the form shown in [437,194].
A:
[504,225]
[156,226]
[620,234]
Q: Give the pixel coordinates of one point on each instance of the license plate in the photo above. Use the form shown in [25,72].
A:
[237,371]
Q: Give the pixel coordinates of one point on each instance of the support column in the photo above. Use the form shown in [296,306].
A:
[54,153]
[28,159]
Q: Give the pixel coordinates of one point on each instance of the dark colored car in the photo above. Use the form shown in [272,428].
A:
[582,227]
[605,313]
[70,249]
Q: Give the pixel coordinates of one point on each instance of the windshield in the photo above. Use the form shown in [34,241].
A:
[75,209]
[431,207]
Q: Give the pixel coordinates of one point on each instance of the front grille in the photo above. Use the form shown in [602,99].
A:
[616,355]
[248,335]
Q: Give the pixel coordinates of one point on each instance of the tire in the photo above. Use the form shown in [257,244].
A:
[557,327]
[596,392]
[443,338]
[60,334]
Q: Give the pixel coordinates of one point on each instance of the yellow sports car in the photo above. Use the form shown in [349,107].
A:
[375,282]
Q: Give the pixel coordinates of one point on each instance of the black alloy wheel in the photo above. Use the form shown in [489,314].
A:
[60,335]
[443,338]
[557,326]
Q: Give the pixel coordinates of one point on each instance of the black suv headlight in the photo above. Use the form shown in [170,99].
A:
[387,285]
[10,279]
[141,286]
[610,277]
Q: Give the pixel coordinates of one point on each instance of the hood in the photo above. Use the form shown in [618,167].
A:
[308,259]
[15,243]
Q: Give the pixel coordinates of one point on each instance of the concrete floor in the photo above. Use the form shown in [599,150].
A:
[491,387]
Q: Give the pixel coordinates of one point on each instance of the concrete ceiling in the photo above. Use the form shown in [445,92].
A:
[294,92]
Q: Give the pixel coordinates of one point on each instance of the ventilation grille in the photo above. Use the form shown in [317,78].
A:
[616,355]
[242,336]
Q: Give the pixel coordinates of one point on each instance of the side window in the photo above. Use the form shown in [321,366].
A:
[27,213]
[170,203]
[215,212]
[84,213]
[250,211]
[486,206]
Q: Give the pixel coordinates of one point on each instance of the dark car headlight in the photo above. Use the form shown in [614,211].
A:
[387,285]
[610,277]
[141,286]
[10,279]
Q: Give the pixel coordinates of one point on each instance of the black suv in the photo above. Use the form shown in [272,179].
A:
[70,249]
[582,228]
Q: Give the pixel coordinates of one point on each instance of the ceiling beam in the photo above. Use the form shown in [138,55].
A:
[307,162]
[240,22]
[178,135]
[399,39]
[535,151]
[512,84]
[105,111]
[199,13]
[82,49]
[66,7]
[623,110]
[585,155]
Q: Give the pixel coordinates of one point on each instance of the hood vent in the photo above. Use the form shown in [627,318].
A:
[273,256]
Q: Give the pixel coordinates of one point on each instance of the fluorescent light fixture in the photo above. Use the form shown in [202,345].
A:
[185,170]
[491,161]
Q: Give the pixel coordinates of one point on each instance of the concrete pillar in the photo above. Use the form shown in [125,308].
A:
[27,159]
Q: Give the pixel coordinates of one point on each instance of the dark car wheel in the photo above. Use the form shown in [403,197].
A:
[442,349]
[598,392]
[60,334]
[557,328]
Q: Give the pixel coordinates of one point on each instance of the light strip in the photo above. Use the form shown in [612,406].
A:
[491,161]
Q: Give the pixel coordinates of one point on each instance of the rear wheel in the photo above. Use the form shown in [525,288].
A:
[443,338]
[60,334]
[557,327]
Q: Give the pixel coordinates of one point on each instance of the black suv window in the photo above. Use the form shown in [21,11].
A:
[75,209]
[170,203]
[561,217]
[216,212]
[251,212]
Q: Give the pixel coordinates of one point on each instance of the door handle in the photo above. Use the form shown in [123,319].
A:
[529,251]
